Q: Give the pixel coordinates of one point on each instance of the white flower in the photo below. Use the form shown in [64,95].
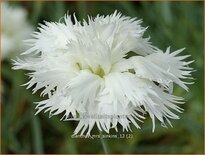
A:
[14,28]
[84,70]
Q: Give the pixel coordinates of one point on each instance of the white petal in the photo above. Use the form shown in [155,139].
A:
[84,88]
[58,104]
[52,37]
[162,68]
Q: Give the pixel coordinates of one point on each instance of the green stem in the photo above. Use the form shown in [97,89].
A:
[37,135]
[104,143]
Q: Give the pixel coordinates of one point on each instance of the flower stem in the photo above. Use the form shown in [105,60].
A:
[104,143]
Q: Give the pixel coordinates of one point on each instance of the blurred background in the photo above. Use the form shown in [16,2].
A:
[175,24]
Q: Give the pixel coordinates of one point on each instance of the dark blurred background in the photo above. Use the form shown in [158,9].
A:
[175,24]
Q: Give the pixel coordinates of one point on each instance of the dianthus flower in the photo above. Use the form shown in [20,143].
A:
[14,29]
[85,70]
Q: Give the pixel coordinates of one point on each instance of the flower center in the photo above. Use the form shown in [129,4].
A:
[99,71]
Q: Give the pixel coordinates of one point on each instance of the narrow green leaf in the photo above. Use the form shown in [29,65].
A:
[37,135]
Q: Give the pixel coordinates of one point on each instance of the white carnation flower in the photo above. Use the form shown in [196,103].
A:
[14,28]
[84,70]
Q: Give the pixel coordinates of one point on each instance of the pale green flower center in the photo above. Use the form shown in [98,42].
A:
[99,71]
